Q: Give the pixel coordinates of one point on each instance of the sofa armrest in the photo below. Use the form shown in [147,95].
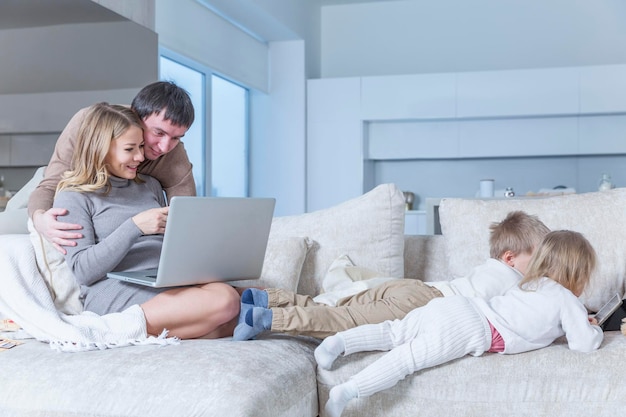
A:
[14,221]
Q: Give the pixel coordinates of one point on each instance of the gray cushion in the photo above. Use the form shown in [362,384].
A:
[271,377]
[553,381]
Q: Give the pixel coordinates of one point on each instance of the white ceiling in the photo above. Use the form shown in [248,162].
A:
[32,13]
[335,2]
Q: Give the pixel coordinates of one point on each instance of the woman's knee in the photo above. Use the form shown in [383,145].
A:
[225,297]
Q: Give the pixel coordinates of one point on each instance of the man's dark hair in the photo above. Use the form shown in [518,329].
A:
[165,95]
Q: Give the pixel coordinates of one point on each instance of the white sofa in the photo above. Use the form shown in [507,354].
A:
[276,375]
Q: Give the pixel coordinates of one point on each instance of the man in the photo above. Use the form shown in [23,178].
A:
[167,113]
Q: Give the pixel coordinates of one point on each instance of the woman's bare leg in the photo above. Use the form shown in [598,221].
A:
[193,312]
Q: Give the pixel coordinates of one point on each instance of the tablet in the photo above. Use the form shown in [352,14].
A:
[609,308]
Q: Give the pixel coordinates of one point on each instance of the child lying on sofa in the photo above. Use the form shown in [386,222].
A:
[512,242]
[531,315]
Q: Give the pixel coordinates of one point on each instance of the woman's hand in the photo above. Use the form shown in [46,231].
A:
[153,221]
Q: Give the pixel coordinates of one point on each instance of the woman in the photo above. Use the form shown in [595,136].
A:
[124,215]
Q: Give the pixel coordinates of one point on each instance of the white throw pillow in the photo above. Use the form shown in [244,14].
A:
[370,228]
[599,216]
[282,265]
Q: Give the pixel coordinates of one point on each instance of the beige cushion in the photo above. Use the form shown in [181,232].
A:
[370,228]
[599,216]
[282,265]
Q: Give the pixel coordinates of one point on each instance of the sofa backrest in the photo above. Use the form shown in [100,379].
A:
[425,258]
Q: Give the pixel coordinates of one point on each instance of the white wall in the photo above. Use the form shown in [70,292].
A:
[275,72]
[277,125]
[423,36]
[275,21]
[190,29]
[303,19]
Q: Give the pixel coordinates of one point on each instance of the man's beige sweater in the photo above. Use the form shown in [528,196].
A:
[172,170]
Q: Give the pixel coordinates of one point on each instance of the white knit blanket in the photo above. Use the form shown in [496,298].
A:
[25,298]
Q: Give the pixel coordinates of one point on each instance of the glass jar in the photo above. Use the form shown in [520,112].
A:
[605,183]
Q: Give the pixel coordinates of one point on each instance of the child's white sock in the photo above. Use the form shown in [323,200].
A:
[339,397]
[329,350]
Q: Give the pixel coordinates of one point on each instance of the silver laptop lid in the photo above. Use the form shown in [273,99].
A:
[214,239]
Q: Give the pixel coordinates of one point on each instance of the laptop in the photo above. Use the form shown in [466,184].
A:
[209,239]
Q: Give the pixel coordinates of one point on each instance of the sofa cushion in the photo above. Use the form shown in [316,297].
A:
[369,229]
[553,381]
[599,216]
[282,265]
[273,377]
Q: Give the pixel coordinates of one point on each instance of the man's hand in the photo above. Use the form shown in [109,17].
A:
[153,221]
[56,232]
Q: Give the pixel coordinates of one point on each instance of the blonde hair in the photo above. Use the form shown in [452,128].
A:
[103,123]
[565,256]
[519,233]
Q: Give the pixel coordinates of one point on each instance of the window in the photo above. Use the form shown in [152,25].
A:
[219,133]
[229,138]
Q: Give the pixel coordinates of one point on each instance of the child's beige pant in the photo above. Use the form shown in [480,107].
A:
[299,315]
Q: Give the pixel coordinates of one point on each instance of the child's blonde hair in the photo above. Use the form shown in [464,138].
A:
[519,233]
[103,123]
[565,256]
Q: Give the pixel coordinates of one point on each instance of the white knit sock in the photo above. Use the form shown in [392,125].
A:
[329,350]
[339,397]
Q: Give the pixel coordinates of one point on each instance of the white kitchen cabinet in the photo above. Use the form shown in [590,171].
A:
[602,135]
[20,150]
[603,89]
[5,150]
[412,140]
[534,92]
[397,97]
[32,150]
[518,137]
[357,127]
